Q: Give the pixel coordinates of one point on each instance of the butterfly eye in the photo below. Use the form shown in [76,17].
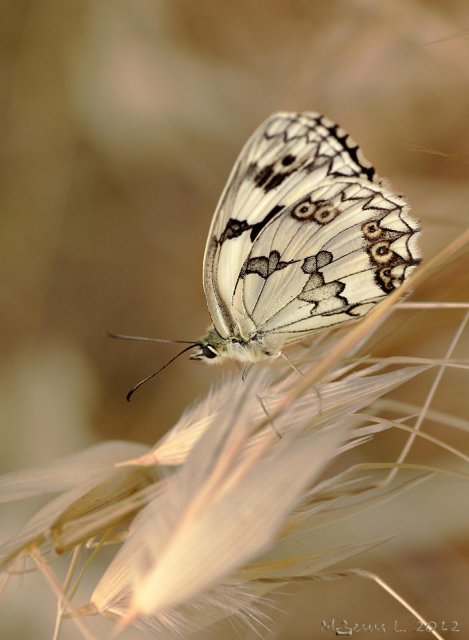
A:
[208,352]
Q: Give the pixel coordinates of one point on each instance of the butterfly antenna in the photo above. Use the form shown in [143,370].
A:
[152,375]
[121,336]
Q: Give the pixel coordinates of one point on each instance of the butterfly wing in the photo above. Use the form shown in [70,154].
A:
[327,259]
[280,209]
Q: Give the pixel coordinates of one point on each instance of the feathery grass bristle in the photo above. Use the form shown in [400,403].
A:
[207,523]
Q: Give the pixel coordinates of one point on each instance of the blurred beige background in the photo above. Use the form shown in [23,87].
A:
[120,121]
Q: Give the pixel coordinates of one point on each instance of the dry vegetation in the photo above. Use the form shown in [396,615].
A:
[120,122]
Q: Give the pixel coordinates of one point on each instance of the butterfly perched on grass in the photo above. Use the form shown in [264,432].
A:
[305,237]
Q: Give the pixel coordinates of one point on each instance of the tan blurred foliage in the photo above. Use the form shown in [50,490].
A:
[120,121]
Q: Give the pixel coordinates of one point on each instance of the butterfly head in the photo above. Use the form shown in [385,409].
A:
[214,348]
[205,352]
[210,347]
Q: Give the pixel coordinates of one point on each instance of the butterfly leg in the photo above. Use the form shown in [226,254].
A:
[245,371]
[290,363]
[267,415]
[296,370]
[244,375]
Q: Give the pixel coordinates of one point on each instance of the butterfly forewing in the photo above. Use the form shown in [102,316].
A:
[305,236]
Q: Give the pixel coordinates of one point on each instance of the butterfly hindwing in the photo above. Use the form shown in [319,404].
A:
[327,259]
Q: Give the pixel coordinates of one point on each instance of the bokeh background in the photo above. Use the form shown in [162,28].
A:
[119,123]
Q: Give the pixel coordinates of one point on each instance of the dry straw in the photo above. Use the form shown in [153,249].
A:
[202,522]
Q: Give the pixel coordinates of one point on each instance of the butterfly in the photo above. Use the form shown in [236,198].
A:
[305,237]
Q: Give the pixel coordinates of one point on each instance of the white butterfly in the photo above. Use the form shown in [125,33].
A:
[305,237]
